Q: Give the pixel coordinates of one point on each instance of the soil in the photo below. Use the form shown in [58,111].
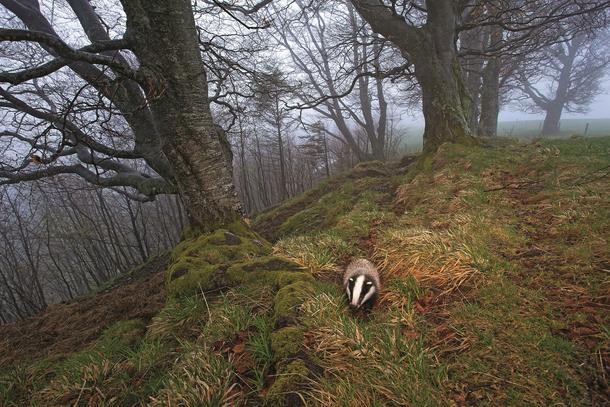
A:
[72,326]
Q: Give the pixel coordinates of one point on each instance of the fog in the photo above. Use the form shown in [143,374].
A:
[599,109]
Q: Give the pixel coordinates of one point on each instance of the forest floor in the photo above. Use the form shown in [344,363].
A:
[71,326]
[495,263]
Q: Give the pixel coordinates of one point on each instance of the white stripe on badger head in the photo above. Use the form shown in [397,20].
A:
[357,290]
[368,295]
[349,294]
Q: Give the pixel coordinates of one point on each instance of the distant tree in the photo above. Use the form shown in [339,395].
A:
[565,77]
[63,237]
[341,64]
[315,145]
[271,90]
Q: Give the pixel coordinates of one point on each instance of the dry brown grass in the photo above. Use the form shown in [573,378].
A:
[320,254]
[440,260]
[365,363]
[200,378]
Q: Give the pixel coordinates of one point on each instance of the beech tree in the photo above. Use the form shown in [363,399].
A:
[152,76]
[566,77]
[427,33]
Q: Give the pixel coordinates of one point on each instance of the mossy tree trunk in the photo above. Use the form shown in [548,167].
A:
[165,40]
[447,105]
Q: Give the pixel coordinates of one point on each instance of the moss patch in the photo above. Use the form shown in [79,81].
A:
[198,263]
[290,379]
[286,342]
[289,298]
[229,258]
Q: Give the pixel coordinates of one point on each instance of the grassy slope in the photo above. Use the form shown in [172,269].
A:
[495,263]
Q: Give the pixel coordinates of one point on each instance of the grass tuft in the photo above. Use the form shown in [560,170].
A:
[439,260]
[321,254]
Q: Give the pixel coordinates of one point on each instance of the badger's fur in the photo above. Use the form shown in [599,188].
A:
[361,283]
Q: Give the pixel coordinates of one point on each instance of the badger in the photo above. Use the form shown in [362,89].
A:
[361,284]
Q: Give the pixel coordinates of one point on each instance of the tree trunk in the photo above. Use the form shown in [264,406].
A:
[164,39]
[472,67]
[446,102]
[490,99]
[447,105]
[326,164]
[555,107]
[280,144]
[551,119]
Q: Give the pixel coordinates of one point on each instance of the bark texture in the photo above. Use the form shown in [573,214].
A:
[164,39]
[447,105]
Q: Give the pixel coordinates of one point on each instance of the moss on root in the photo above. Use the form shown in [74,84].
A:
[287,342]
[285,389]
[293,365]
[199,262]
[289,298]
[232,257]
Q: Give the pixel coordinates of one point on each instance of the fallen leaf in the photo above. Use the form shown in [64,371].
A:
[239,348]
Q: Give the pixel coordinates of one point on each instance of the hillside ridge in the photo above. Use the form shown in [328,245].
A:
[494,260]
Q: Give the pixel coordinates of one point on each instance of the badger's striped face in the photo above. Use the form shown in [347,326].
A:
[360,290]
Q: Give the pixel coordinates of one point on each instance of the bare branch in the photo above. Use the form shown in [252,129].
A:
[68,53]
[58,63]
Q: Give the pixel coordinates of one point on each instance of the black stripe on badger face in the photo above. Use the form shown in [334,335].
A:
[361,291]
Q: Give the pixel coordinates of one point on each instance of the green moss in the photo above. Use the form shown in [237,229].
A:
[263,271]
[284,278]
[289,380]
[196,279]
[286,342]
[289,298]
[198,262]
